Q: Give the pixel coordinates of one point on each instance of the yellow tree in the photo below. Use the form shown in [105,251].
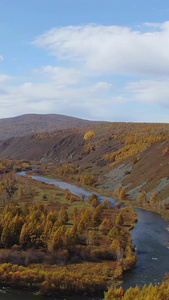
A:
[57,239]
[91,237]
[96,218]
[119,219]
[142,199]
[153,200]
[122,194]
[114,233]
[117,249]
[106,226]
[105,204]
[63,216]
[95,203]
[88,135]
[114,294]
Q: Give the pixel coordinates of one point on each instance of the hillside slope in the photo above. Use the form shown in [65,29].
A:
[26,124]
[131,155]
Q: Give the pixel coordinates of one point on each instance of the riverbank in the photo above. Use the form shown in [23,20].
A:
[45,173]
[55,280]
[84,245]
[150,238]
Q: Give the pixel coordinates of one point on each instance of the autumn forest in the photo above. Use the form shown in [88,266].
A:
[55,242]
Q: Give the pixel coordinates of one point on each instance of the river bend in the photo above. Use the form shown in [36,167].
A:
[149,235]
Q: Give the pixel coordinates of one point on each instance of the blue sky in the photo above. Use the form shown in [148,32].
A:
[98,59]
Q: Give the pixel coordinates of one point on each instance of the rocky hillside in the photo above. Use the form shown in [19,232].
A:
[26,124]
[130,155]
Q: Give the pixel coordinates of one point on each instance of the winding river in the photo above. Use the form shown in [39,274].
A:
[149,235]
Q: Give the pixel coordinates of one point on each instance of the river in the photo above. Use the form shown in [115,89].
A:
[149,235]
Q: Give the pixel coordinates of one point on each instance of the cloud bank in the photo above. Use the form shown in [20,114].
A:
[114,49]
[113,73]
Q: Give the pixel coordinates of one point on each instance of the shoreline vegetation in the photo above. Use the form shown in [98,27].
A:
[157,292]
[160,291]
[44,172]
[54,242]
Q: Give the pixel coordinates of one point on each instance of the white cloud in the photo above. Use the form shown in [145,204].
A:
[49,97]
[1,58]
[63,76]
[114,49]
[151,91]
[4,77]
[84,102]
[102,86]
[156,26]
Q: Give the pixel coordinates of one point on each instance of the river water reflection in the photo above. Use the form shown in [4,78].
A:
[151,239]
[9,294]
[149,235]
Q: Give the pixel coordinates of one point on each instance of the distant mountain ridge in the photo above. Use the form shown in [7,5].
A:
[28,123]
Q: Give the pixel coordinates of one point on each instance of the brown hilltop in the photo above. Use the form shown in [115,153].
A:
[28,123]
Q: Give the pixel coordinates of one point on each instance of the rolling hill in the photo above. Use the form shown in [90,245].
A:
[29,123]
